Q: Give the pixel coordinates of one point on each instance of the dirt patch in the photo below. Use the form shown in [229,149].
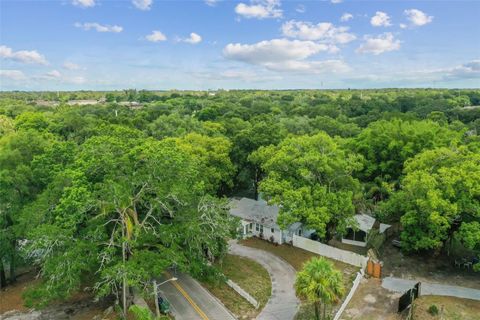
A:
[372,302]
[11,296]
[426,268]
[448,308]
[79,307]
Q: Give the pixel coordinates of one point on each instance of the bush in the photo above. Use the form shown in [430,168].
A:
[433,310]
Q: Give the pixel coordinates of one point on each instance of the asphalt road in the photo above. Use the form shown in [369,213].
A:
[190,301]
[283,304]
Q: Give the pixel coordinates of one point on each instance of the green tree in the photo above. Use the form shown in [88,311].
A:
[310,177]
[386,145]
[440,194]
[320,283]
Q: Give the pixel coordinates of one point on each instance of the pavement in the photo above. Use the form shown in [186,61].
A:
[402,285]
[283,304]
[190,301]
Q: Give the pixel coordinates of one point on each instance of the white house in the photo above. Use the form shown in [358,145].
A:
[365,223]
[260,219]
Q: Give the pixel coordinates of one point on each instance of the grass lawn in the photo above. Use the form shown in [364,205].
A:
[297,257]
[449,308]
[249,275]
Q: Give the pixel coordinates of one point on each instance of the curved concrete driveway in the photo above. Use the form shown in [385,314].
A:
[283,304]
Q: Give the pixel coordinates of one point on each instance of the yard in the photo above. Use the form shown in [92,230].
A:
[251,277]
[297,257]
[436,269]
[448,308]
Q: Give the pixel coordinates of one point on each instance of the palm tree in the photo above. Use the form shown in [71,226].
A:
[320,283]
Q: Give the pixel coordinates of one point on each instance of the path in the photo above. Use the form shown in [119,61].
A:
[190,301]
[402,285]
[283,304]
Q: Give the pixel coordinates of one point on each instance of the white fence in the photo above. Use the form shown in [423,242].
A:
[243,293]
[356,282]
[330,252]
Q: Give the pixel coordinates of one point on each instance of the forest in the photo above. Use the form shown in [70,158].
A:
[109,195]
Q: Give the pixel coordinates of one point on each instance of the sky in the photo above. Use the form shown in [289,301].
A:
[249,44]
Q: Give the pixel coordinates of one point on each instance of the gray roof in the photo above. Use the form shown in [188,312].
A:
[365,222]
[255,211]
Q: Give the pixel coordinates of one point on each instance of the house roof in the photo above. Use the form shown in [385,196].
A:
[365,222]
[255,211]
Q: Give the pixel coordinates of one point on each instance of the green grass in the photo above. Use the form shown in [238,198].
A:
[251,277]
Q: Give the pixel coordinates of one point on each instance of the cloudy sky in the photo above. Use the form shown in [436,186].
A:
[265,44]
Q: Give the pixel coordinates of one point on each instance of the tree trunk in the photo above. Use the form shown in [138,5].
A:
[255,184]
[324,311]
[3,279]
[124,285]
[13,276]
[317,313]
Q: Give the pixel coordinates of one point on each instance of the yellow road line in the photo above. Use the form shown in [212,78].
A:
[189,299]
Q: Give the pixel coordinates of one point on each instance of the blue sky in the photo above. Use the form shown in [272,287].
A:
[264,44]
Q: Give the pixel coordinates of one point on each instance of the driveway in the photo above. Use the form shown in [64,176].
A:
[190,301]
[402,285]
[283,304]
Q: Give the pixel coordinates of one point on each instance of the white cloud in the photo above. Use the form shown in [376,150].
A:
[325,66]
[336,1]
[300,8]
[380,44]
[98,27]
[12,74]
[284,55]
[156,36]
[211,3]
[469,70]
[380,19]
[70,65]
[143,4]
[193,39]
[24,56]
[346,16]
[84,3]
[276,50]
[403,25]
[260,9]
[417,17]
[325,31]
[54,74]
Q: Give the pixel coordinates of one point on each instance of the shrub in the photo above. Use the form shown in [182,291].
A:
[433,310]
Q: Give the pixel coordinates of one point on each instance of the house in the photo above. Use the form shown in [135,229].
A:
[260,219]
[357,236]
[82,102]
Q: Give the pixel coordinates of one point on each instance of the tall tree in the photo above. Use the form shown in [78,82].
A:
[439,199]
[310,177]
[320,283]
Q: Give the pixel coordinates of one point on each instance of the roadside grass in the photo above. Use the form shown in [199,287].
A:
[251,277]
[297,257]
[448,308]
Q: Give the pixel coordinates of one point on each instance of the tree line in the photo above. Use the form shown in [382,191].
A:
[108,197]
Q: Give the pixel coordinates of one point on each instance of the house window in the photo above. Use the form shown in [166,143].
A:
[272,230]
[250,226]
[261,228]
[257,227]
[299,232]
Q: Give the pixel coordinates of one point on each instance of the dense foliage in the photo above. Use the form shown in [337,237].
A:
[112,194]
